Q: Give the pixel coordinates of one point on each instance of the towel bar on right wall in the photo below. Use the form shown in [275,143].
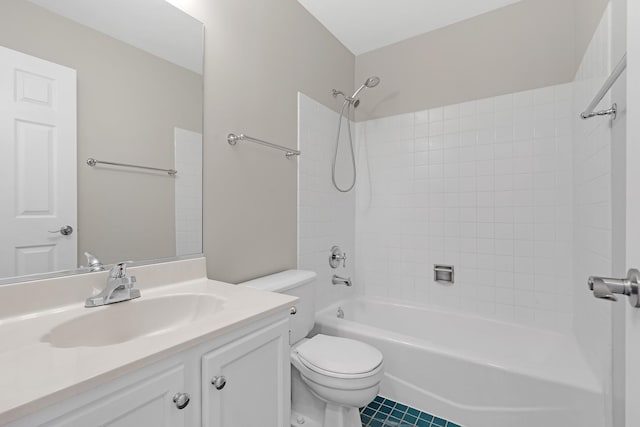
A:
[608,84]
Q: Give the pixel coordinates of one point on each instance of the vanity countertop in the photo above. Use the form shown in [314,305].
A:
[34,373]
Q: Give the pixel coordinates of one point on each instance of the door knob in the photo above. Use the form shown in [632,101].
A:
[607,288]
[65,230]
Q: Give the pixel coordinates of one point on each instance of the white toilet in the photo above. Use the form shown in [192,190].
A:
[331,377]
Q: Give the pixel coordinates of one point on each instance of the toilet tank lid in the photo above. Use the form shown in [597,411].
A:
[283,281]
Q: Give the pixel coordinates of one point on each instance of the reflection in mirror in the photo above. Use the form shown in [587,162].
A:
[118,81]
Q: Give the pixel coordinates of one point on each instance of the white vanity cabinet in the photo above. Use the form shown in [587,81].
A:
[253,360]
[246,383]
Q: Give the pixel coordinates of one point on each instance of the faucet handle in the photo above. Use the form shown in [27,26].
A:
[93,262]
[335,256]
[119,270]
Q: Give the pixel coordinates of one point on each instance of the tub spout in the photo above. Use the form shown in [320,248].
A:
[337,280]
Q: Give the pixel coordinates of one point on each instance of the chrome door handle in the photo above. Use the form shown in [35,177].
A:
[607,288]
[65,230]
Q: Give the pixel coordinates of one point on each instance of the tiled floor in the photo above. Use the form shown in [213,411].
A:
[387,413]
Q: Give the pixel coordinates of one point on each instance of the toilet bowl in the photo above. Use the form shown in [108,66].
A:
[332,377]
[339,369]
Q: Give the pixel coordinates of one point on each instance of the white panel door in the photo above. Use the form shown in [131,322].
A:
[148,403]
[256,386]
[37,165]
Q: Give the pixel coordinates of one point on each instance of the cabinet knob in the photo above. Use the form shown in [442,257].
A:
[181,400]
[219,382]
[293,310]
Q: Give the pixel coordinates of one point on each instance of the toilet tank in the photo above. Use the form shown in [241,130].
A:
[298,283]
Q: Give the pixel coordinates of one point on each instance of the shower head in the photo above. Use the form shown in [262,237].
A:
[369,83]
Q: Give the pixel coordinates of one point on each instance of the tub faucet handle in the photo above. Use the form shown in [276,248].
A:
[335,256]
[600,289]
[607,288]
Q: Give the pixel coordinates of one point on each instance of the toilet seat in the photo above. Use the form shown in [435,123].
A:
[339,358]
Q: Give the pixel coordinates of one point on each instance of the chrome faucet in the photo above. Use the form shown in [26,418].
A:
[119,288]
[337,280]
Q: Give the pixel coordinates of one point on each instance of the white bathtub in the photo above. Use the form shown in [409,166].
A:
[473,371]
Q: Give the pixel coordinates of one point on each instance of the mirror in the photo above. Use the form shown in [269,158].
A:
[118,81]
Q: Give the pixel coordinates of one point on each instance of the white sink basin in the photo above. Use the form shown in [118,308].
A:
[125,321]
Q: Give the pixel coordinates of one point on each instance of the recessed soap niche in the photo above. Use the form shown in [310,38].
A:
[443,274]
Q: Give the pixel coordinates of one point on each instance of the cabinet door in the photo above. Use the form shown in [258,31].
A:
[256,373]
[147,403]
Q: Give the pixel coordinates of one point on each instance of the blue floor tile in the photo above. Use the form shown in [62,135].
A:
[413,411]
[384,412]
[401,407]
[396,413]
[426,417]
[410,419]
[385,409]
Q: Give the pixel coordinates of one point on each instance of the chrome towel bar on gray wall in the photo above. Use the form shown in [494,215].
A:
[93,162]
[613,111]
[233,139]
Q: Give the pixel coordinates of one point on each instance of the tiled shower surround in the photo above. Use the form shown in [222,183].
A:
[485,186]
[511,190]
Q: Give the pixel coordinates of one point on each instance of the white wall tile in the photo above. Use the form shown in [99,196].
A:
[326,217]
[592,227]
[490,185]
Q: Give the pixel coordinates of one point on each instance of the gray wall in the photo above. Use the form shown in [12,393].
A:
[524,46]
[259,54]
[122,116]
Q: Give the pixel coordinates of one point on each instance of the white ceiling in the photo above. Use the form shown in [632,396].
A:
[364,25]
[154,26]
